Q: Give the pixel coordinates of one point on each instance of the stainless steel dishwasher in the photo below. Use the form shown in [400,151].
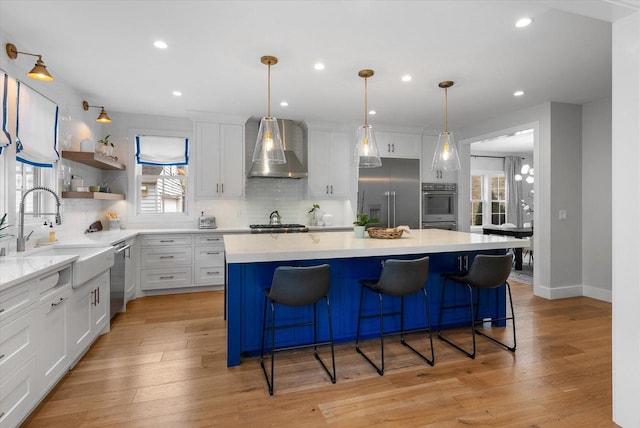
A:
[118,272]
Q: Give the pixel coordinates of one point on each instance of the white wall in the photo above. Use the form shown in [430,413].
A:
[596,192]
[625,220]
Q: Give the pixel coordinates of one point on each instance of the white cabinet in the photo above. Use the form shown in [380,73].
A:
[399,144]
[219,160]
[429,143]
[329,158]
[166,261]
[208,266]
[88,313]
[53,350]
[18,346]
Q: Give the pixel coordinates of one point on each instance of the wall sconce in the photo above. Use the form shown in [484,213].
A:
[102,117]
[38,72]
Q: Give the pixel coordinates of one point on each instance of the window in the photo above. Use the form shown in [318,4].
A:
[162,175]
[488,199]
[163,189]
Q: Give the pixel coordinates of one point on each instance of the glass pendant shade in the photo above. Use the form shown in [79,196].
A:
[366,154]
[446,156]
[269,148]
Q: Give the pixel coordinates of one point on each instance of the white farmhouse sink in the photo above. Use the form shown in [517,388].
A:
[91,262]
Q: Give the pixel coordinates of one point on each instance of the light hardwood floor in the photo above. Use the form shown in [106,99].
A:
[163,365]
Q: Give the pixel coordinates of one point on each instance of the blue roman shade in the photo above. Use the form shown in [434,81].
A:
[158,150]
[5,136]
[36,128]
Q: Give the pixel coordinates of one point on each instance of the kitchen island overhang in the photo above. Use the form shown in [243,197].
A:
[252,259]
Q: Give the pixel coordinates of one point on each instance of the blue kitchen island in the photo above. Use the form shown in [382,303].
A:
[252,259]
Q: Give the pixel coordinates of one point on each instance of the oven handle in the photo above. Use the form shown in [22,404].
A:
[426,192]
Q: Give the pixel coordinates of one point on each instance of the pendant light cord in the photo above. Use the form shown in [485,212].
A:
[269,92]
[446,108]
[365,101]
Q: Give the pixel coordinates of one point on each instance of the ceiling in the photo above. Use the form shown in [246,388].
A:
[104,49]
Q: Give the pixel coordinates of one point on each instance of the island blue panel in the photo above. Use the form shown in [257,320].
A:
[247,281]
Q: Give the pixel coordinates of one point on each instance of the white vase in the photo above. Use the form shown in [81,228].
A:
[359,231]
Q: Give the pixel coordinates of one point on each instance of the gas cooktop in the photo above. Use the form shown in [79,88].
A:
[278,228]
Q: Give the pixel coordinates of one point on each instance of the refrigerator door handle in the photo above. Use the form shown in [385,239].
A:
[393,224]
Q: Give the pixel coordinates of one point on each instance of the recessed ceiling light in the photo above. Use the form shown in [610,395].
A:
[319,66]
[160,44]
[406,78]
[372,112]
[284,104]
[518,93]
[523,22]
[177,93]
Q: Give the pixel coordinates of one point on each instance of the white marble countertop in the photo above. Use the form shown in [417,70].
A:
[309,246]
[15,270]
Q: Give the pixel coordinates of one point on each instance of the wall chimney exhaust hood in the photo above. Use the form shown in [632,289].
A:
[292,168]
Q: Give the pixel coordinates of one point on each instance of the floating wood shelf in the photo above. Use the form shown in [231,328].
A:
[93,195]
[93,159]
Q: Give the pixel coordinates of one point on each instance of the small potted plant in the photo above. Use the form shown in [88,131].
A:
[106,146]
[316,214]
[362,220]
[3,226]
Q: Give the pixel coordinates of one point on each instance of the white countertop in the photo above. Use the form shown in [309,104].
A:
[15,270]
[328,245]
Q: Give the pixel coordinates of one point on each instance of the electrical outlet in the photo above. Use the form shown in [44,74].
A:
[562,214]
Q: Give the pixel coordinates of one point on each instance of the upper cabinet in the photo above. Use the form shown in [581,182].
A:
[429,143]
[219,160]
[329,155]
[399,144]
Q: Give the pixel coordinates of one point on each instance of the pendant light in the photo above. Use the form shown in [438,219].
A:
[446,156]
[269,148]
[366,154]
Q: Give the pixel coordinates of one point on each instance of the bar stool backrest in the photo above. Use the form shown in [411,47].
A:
[489,271]
[299,286]
[403,277]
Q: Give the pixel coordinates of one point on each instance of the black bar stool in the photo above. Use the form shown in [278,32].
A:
[486,271]
[399,278]
[297,286]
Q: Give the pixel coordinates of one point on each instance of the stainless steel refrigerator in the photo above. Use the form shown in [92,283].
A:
[391,192]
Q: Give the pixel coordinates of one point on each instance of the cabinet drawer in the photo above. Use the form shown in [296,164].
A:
[207,274]
[163,256]
[211,253]
[166,240]
[17,342]
[18,395]
[209,239]
[160,278]
[14,299]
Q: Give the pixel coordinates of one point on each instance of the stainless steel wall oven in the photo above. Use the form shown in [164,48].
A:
[439,206]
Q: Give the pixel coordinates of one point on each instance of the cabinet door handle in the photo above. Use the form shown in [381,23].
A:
[332,189]
[1,356]
[98,293]
[222,188]
[393,147]
[166,257]
[213,252]
[213,273]
[327,191]
[460,263]
[1,310]
[466,262]
[62,299]
[217,188]
[213,239]
[166,240]
[167,277]
[93,298]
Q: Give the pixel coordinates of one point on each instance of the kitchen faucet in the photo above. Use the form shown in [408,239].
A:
[21,238]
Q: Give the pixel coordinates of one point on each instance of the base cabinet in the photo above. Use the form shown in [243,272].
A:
[88,315]
[53,350]
[18,394]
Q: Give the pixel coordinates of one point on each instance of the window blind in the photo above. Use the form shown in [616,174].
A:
[36,128]
[5,136]
[159,150]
